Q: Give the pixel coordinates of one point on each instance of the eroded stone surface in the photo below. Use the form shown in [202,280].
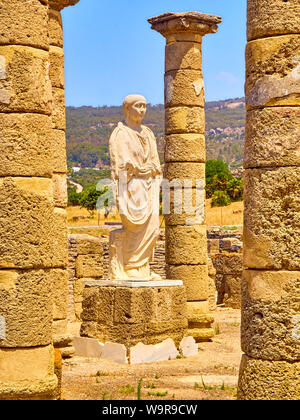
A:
[273,71]
[25,86]
[132,315]
[272,137]
[186,245]
[60,293]
[55,28]
[27,307]
[194,277]
[272,209]
[272,17]
[57,67]
[25,145]
[184,88]
[26,222]
[188,173]
[185,206]
[58,111]
[60,190]
[183,55]
[185,148]
[270,308]
[228,263]
[59,158]
[87,244]
[26,364]
[185,120]
[24,22]
[89,266]
[277,380]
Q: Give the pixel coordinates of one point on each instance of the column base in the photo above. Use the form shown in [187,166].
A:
[201,334]
[200,321]
[45,389]
[63,341]
[268,380]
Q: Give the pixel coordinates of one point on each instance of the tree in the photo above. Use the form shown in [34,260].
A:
[73,197]
[89,199]
[220,199]
[235,189]
[216,167]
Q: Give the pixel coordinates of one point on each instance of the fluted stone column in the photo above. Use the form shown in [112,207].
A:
[186,242]
[56,71]
[270,368]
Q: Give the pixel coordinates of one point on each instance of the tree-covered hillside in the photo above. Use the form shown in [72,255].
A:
[89,129]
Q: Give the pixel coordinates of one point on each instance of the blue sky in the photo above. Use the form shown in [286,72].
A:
[111,50]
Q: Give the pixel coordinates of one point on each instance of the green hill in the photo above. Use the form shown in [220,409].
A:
[89,129]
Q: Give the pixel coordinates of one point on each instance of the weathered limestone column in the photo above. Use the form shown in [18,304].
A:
[270,368]
[186,242]
[26,203]
[56,71]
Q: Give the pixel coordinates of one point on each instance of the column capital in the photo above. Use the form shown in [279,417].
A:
[195,23]
[61,4]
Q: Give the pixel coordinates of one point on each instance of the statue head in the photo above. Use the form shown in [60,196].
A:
[134,108]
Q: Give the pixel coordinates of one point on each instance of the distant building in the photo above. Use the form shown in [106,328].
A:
[76,169]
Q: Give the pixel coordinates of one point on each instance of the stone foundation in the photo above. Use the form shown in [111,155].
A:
[132,314]
[85,262]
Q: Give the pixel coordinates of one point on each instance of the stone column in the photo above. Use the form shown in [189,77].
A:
[32,236]
[270,368]
[56,71]
[186,241]
[26,203]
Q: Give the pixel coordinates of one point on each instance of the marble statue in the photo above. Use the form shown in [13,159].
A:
[136,174]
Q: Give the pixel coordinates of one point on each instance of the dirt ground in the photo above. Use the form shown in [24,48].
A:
[211,375]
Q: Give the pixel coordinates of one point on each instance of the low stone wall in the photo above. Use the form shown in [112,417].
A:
[225,249]
[85,262]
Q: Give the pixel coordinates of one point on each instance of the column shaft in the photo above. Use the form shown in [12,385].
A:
[186,242]
[270,368]
[59,163]
[26,204]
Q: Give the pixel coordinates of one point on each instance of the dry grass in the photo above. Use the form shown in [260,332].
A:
[217,216]
[225,216]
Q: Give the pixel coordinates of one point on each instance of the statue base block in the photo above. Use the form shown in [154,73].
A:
[132,312]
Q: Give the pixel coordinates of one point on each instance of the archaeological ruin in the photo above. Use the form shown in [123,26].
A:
[55,287]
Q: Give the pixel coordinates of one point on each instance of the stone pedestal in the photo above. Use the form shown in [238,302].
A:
[186,241]
[271,278]
[132,312]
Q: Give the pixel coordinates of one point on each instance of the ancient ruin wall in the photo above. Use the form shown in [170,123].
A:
[85,263]
[270,368]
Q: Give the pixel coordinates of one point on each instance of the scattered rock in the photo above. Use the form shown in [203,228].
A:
[114,352]
[164,351]
[188,347]
[88,347]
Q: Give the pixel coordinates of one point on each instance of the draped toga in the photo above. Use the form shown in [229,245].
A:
[136,170]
